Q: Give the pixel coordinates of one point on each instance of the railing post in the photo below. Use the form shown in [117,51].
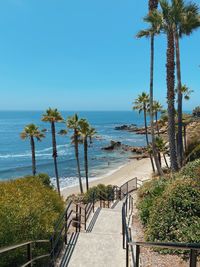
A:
[127,254]
[123,228]
[52,253]
[193,258]
[137,256]
[93,202]
[80,218]
[126,205]
[126,188]
[29,253]
[76,218]
[136,182]
[66,228]
[85,218]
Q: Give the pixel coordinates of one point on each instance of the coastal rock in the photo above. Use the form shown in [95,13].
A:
[113,145]
[135,149]
[126,127]
[141,130]
[118,145]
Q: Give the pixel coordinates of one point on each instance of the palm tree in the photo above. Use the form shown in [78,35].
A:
[142,104]
[157,107]
[186,92]
[32,132]
[74,124]
[163,22]
[153,5]
[86,132]
[186,20]
[53,116]
[161,148]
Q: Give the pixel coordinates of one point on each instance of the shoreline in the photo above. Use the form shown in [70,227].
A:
[133,168]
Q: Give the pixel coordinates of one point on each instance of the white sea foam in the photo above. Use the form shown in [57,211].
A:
[40,153]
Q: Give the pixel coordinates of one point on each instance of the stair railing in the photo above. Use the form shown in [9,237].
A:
[30,245]
[193,249]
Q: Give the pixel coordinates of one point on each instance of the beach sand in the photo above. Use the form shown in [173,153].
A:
[134,168]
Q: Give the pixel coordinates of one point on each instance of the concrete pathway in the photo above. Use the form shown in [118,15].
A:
[101,246]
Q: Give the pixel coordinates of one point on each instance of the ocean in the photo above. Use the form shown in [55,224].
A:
[15,154]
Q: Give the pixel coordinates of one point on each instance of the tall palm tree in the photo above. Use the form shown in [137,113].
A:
[186,20]
[31,131]
[153,5]
[86,132]
[142,104]
[73,123]
[163,22]
[157,107]
[53,116]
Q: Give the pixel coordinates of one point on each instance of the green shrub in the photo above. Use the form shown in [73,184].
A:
[28,211]
[147,194]
[191,170]
[175,215]
[43,177]
[95,192]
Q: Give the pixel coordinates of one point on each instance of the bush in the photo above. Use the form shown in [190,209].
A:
[43,177]
[28,211]
[193,149]
[191,170]
[176,214]
[196,112]
[101,190]
[147,194]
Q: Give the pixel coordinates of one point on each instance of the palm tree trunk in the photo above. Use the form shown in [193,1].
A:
[54,155]
[157,126]
[171,98]
[77,160]
[180,102]
[147,139]
[159,158]
[155,154]
[33,155]
[185,137]
[165,160]
[86,161]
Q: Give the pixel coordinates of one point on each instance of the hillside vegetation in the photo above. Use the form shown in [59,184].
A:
[29,209]
[169,207]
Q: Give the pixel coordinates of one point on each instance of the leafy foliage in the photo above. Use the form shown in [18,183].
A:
[191,170]
[95,192]
[100,190]
[169,208]
[28,210]
[176,215]
[196,112]
[147,194]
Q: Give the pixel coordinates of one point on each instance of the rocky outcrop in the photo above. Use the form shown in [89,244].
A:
[126,127]
[137,130]
[113,145]
[134,149]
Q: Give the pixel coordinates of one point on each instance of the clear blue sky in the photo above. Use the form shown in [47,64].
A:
[82,55]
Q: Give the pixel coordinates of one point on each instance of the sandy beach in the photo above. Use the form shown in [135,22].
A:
[134,168]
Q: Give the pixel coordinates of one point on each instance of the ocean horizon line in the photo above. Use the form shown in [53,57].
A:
[62,110]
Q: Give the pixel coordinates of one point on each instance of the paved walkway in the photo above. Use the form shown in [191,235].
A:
[101,246]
